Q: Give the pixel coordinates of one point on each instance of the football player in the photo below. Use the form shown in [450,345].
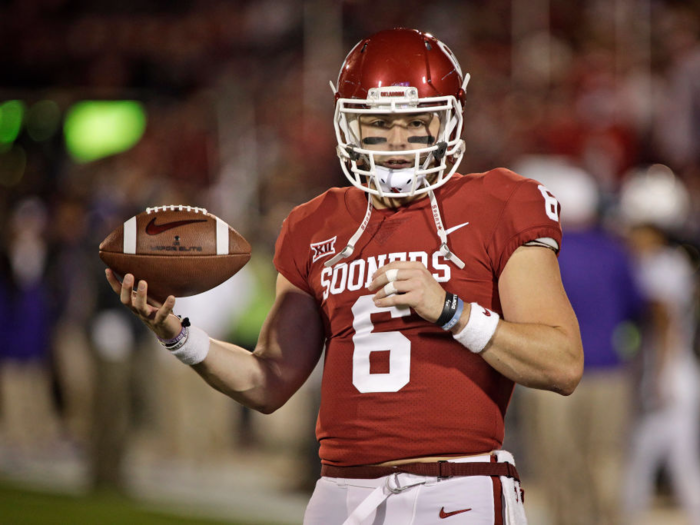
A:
[654,205]
[433,293]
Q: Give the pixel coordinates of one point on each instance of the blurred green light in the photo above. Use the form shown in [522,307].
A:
[97,129]
[627,340]
[11,114]
[43,119]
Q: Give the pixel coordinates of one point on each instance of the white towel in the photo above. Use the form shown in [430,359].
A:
[512,493]
[392,485]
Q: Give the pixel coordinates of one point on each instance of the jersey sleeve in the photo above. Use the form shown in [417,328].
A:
[531,213]
[288,259]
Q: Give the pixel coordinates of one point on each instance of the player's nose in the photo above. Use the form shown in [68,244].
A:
[398,138]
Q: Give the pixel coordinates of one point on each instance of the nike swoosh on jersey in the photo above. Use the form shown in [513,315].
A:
[454,228]
[154,229]
[444,514]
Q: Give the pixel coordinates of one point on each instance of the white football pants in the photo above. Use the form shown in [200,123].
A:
[408,499]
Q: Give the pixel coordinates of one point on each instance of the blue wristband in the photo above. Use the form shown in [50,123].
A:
[458,313]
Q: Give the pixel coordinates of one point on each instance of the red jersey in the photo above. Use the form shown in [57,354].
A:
[395,385]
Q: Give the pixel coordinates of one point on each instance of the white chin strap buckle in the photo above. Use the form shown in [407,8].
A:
[398,181]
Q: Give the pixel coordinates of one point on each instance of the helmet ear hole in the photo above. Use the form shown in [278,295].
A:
[354,155]
[441,150]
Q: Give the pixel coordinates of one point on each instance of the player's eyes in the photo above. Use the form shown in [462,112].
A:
[385,124]
[378,124]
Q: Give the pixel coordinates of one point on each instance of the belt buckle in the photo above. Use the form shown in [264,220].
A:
[397,489]
[443,471]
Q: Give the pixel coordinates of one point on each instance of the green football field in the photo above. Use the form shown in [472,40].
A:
[23,507]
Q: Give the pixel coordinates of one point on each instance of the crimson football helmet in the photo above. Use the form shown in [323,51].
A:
[400,72]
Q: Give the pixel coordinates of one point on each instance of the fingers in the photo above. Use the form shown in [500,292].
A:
[153,302]
[400,265]
[154,314]
[127,289]
[113,281]
[396,287]
[139,300]
[165,310]
[394,275]
[389,288]
[408,283]
[404,299]
[149,308]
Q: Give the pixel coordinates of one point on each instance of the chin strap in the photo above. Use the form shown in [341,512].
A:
[350,247]
[444,249]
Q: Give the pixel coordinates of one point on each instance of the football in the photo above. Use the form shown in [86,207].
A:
[177,250]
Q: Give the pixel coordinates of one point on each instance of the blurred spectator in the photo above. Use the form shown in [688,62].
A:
[112,335]
[28,415]
[667,428]
[576,443]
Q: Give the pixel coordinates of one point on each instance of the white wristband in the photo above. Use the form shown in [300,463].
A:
[479,329]
[195,349]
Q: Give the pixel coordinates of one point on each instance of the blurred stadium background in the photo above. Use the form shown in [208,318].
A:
[109,107]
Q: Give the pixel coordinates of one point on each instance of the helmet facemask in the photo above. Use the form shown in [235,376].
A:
[432,165]
[403,75]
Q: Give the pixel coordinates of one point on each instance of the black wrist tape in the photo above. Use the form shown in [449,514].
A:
[449,309]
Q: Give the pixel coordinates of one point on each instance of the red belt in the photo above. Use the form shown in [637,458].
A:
[440,469]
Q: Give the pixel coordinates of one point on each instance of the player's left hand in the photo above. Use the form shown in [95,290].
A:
[415,287]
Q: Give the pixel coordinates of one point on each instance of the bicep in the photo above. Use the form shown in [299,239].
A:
[531,290]
[539,345]
[291,339]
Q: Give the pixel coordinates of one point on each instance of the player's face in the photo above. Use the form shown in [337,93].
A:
[388,132]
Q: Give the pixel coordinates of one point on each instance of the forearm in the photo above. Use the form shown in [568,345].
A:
[240,374]
[289,346]
[536,356]
[533,354]
[538,342]
[540,346]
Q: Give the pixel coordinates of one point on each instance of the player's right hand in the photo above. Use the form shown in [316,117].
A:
[159,318]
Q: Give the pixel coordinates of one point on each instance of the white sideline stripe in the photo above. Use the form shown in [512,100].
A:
[221,237]
[130,236]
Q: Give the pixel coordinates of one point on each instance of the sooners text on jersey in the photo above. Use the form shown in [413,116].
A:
[394,385]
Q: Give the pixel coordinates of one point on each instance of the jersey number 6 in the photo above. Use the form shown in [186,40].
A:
[366,341]
[551,206]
